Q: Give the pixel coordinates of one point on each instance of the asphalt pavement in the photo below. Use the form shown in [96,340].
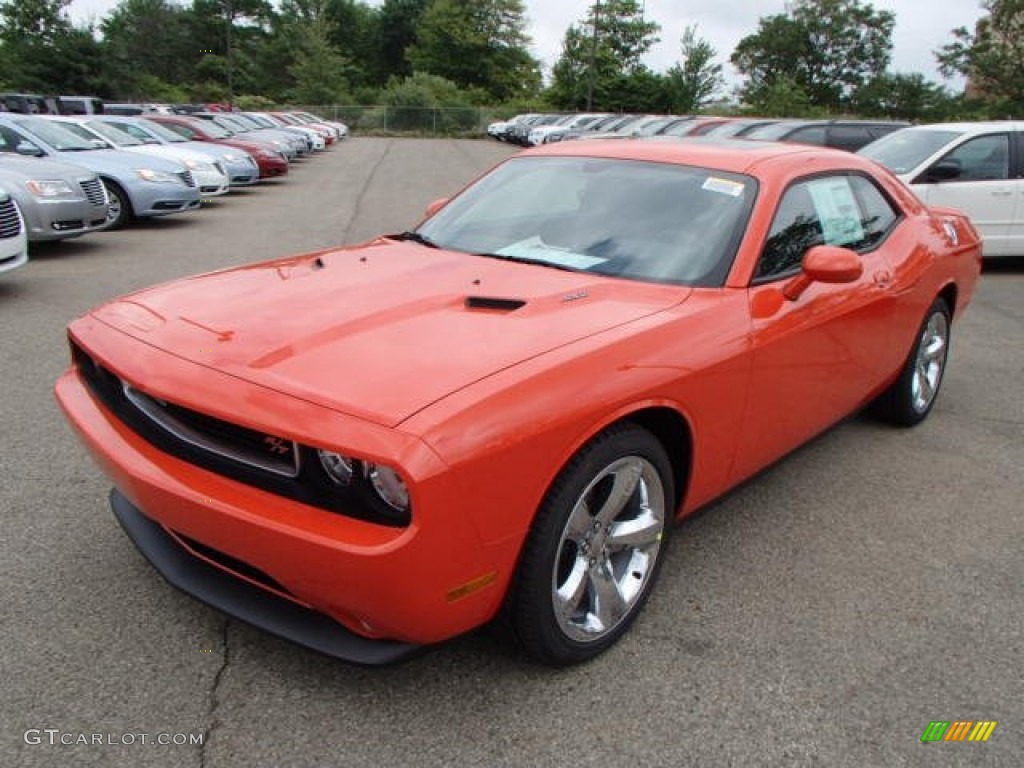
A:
[822,614]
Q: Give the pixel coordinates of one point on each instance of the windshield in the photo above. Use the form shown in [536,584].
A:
[161,132]
[637,220]
[232,124]
[56,135]
[260,120]
[214,130]
[115,135]
[903,151]
[137,133]
[772,131]
[244,120]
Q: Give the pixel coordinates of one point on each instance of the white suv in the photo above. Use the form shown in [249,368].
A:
[977,168]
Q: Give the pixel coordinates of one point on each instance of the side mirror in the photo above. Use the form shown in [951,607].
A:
[29,150]
[436,206]
[944,170]
[825,264]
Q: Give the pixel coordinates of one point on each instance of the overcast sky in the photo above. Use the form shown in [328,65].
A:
[921,26]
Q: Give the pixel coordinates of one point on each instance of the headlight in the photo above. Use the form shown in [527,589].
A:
[157,177]
[49,188]
[388,486]
[339,469]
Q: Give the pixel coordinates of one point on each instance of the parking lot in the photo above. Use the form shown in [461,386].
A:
[822,614]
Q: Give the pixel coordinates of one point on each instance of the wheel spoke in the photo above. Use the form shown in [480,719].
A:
[571,592]
[579,521]
[641,532]
[625,483]
[609,605]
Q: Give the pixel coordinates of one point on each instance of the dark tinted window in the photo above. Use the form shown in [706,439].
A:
[812,134]
[849,137]
[846,210]
[982,159]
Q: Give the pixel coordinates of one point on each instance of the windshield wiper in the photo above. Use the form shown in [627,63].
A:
[528,260]
[414,237]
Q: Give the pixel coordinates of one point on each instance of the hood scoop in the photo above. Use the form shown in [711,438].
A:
[494,303]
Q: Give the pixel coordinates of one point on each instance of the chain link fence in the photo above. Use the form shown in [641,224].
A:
[462,122]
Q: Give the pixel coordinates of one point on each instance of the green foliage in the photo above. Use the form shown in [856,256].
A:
[427,103]
[252,103]
[992,58]
[695,80]
[600,63]
[828,48]
[782,96]
[477,44]
[904,97]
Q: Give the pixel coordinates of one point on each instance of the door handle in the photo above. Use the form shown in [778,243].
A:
[1002,193]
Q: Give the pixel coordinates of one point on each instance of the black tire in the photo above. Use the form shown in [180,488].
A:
[120,212]
[557,555]
[910,398]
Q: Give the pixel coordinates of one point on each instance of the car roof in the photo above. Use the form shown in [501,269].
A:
[972,127]
[735,155]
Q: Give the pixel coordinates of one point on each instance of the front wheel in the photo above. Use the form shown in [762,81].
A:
[119,209]
[594,549]
[911,397]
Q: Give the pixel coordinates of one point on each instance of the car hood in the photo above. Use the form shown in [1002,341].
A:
[28,168]
[382,330]
[114,161]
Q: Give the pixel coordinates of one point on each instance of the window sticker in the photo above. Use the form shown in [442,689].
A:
[722,186]
[837,210]
[535,248]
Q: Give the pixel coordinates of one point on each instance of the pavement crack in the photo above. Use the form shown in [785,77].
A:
[358,207]
[212,718]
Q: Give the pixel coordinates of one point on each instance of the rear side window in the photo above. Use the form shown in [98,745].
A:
[844,210]
[985,158]
[849,137]
[812,134]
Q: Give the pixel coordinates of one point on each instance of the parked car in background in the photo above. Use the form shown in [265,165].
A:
[289,145]
[13,242]
[739,127]
[138,186]
[311,141]
[850,135]
[209,176]
[340,129]
[79,105]
[977,168]
[239,166]
[57,200]
[327,134]
[270,161]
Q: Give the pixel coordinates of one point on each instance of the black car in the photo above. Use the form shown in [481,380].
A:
[850,135]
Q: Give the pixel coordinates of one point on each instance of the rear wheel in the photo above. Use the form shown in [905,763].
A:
[119,211]
[594,549]
[911,397]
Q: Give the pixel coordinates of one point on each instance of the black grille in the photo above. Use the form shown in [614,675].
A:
[186,177]
[232,564]
[228,449]
[93,192]
[10,222]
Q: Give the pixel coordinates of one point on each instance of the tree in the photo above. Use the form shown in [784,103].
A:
[828,48]
[903,97]
[993,57]
[394,33]
[695,80]
[318,68]
[147,47]
[601,57]
[477,44]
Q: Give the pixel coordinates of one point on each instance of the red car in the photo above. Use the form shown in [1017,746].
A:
[375,448]
[270,163]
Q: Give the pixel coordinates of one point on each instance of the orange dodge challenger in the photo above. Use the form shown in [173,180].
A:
[503,412]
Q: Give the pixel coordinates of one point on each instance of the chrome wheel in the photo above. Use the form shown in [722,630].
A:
[608,549]
[930,362]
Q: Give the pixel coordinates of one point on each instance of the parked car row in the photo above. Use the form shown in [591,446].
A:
[66,176]
[534,129]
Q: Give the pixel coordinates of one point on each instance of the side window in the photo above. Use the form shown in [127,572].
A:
[814,134]
[796,228]
[985,158]
[849,137]
[847,211]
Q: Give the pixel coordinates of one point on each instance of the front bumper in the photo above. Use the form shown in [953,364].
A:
[60,219]
[406,585]
[150,199]
[192,574]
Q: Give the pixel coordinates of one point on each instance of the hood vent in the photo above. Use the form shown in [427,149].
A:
[494,304]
